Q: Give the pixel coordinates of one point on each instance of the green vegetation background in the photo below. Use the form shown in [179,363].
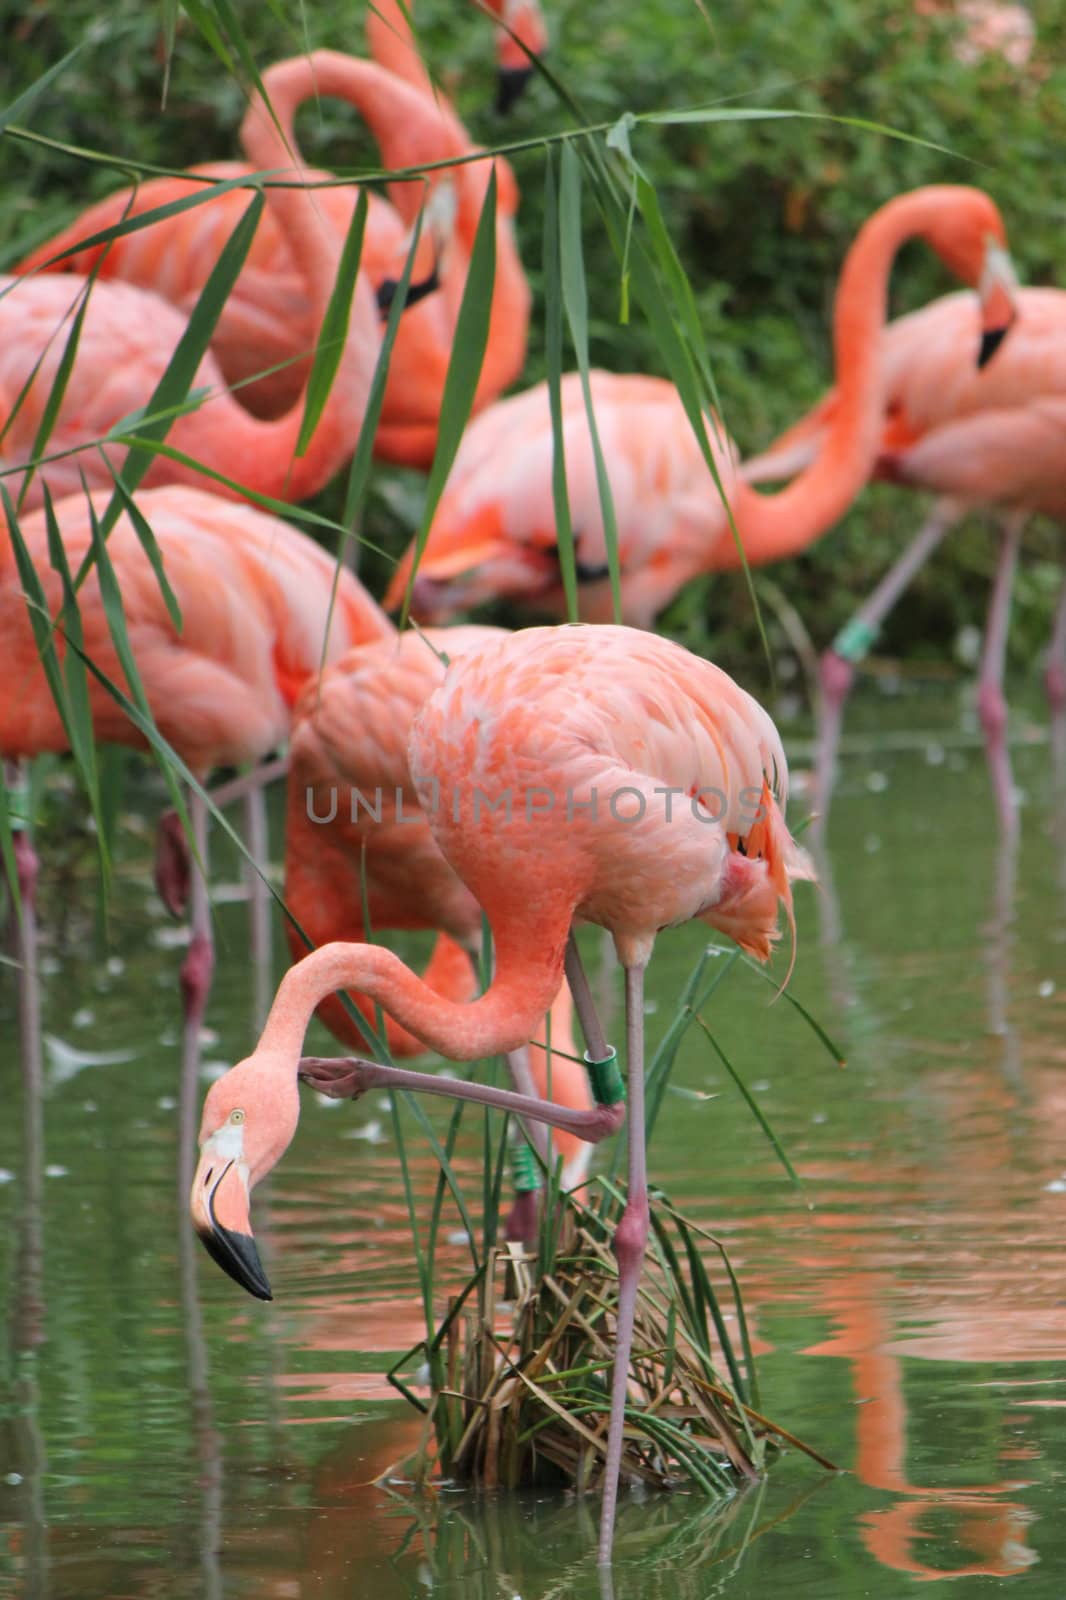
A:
[761,213]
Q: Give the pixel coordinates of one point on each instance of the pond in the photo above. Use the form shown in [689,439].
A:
[164,1435]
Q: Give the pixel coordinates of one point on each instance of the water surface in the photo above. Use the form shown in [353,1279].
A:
[163,1435]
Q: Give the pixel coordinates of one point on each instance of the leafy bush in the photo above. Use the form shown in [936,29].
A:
[761,211]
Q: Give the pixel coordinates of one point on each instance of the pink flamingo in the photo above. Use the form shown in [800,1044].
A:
[586,773]
[127,340]
[494,532]
[988,27]
[355,836]
[990,440]
[258,621]
[274,311]
[522,34]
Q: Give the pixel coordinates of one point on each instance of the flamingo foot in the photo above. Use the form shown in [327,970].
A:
[197,971]
[173,864]
[992,710]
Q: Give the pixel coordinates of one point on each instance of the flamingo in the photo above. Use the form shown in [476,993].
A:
[523,34]
[355,836]
[274,310]
[494,532]
[258,621]
[988,27]
[992,441]
[591,773]
[127,340]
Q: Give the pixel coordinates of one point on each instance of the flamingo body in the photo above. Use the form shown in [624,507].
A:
[991,436]
[127,340]
[356,837]
[494,532]
[267,318]
[255,599]
[533,741]
[274,311]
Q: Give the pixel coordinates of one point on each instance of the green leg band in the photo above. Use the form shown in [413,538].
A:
[853,641]
[525,1173]
[605,1079]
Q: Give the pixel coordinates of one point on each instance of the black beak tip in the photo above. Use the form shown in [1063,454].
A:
[510,86]
[386,291]
[237,1255]
[991,340]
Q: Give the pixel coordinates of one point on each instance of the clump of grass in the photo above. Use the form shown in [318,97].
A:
[524,1354]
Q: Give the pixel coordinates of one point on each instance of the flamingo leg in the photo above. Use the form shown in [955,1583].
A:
[630,1239]
[1055,685]
[596,1046]
[257,839]
[173,867]
[521,1223]
[350,1077]
[837,668]
[266,773]
[24,925]
[199,963]
[991,705]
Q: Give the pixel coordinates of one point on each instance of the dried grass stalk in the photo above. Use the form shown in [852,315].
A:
[527,1395]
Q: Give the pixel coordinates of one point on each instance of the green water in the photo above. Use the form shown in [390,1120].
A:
[164,1435]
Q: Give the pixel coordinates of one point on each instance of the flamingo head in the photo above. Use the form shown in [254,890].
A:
[971,240]
[522,36]
[249,1118]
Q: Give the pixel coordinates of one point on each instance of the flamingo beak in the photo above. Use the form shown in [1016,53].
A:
[998,291]
[510,86]
[220,1191]
[386,291]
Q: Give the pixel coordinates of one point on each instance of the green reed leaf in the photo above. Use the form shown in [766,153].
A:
[575,301]
[464,370]
[333,334]
[553,352]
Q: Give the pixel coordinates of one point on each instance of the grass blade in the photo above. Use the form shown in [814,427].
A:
[181,369]
[575,301]
[29,97]
[115,614]
[359,471]
[553,351]
[142,528]
[73,717]
[209,189]
[464,369]
[333,334]
[755,1110]
[79,710]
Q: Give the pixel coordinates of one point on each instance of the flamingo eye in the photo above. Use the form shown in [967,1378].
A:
[236,1116]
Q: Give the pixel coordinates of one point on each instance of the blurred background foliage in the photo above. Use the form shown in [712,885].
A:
[761,212]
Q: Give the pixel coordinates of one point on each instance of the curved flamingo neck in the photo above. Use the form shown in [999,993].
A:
[772,527]
[392,43]
[316,248]
[529,965]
